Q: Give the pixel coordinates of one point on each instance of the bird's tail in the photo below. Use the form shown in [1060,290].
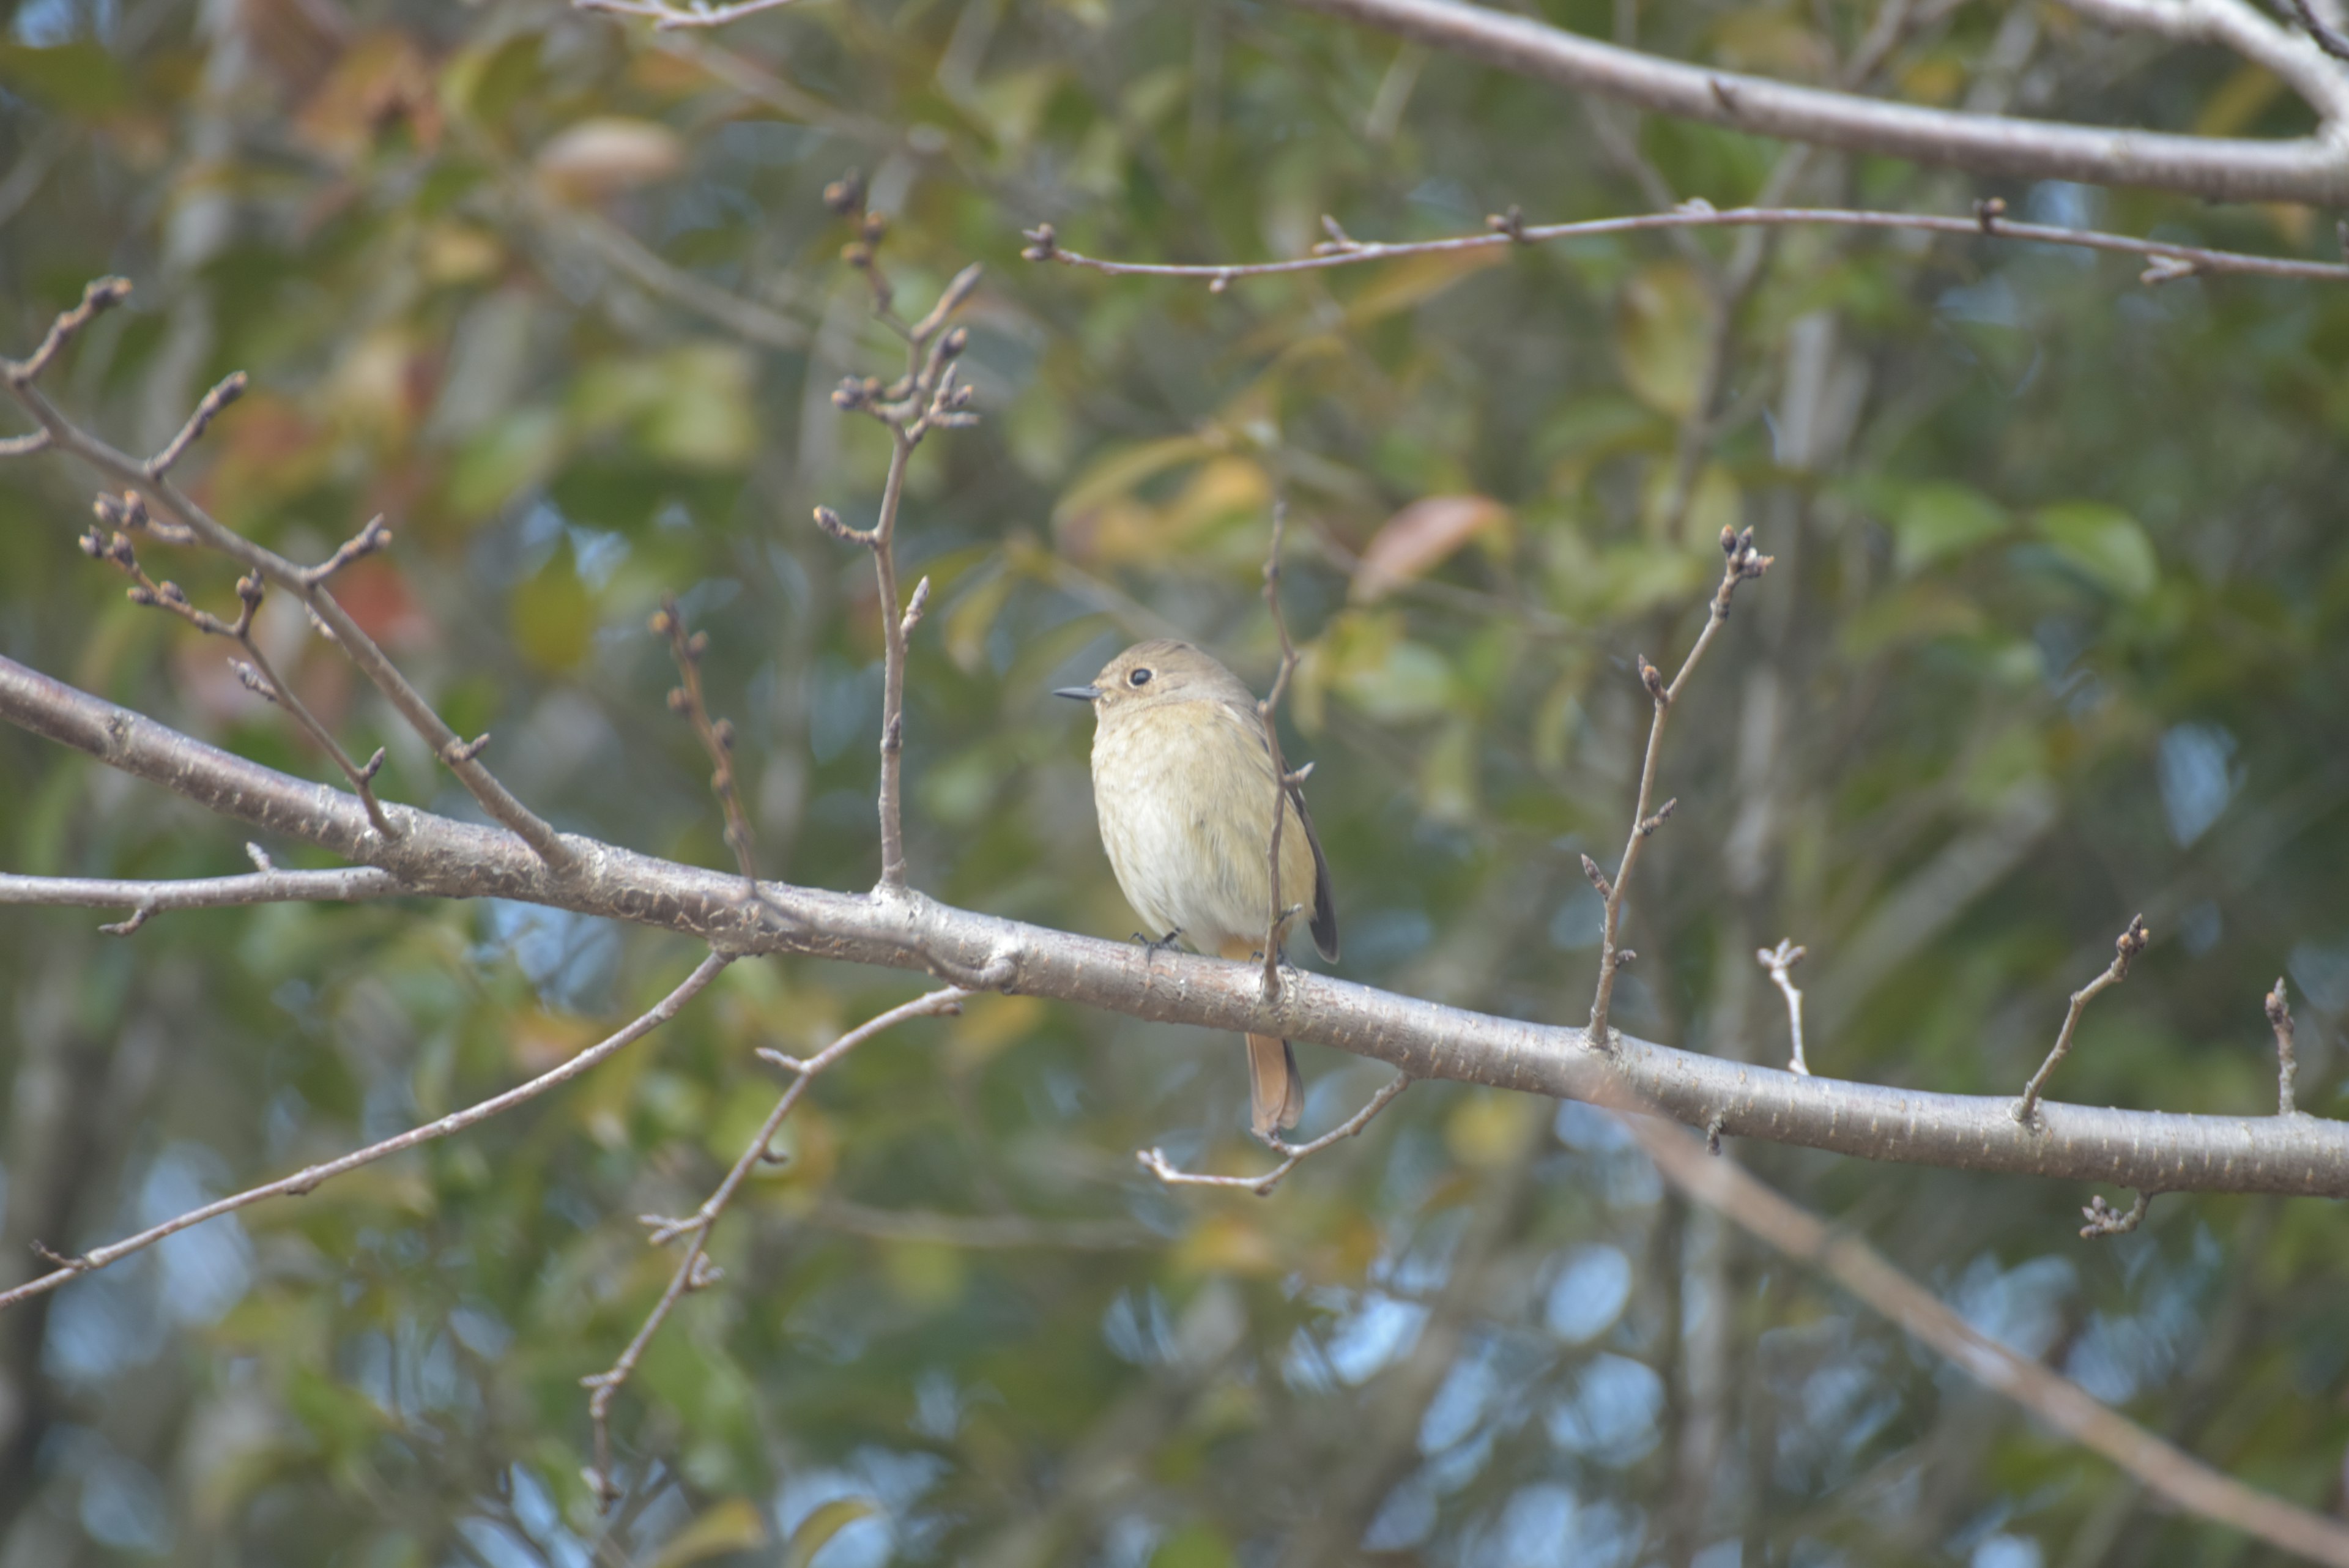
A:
[1276,1091]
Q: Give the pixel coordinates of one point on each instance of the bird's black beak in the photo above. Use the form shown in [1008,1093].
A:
[1081,693]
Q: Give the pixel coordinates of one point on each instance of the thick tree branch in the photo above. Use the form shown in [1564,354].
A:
[437,857]
[2312,169]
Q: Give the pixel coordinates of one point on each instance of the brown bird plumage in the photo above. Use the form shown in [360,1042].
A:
[1183,784]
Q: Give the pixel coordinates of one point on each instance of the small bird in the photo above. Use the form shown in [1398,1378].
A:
[1183,784]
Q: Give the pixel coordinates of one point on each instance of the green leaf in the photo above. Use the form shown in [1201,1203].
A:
[79,78]
[2105,543]
[1937,521]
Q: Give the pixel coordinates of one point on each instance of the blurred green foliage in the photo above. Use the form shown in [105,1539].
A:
[2056,634]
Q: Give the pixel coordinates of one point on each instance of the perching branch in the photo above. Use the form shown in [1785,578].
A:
[924,398]
[183,521]
[1740,561]
[694,1270]
[1294,1154]
[1778,960]
[2165,262]
[2197,1488]
[440,857]
[302,1181]
[2314,169]
[2125,948]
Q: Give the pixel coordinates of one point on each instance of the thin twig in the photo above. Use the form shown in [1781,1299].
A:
[229,389]
[344,885]
[1295,1154]
[2327,38]
[1778,960]
[1283,781]
[1043,243]
[694,1270]
[1740,561]
[302,1181]
[2279,1012]
[717,734]
[924,398]
[183,522]
[1729,1189]
[2125,948]
[258,676]
[2104,1220]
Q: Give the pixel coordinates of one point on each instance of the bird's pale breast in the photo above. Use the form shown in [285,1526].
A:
[1185,795]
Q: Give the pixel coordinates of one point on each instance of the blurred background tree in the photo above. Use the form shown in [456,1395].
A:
[2056,635]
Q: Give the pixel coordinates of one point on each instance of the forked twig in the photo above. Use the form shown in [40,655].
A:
[254,671]
[1294,1154]
[694,1270]
[2104,1220]
[1741,561]
[2125,948]
[924,399]
[180,521]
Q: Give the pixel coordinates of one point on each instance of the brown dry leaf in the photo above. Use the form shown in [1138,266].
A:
[1420,538]
[601,157]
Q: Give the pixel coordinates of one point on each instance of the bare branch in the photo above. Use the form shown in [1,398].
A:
[2169,261]
[2130,943]
[694,1270]
[1778,960]
[269,885]
[2326,37]
[2279,1013]
[302,1181]
[717,735]
[1740,561]
[924,399]
[258,676]
[1723,1185]
[1294,1154]
[229,389]
[438,858]
[2298,61]
[2310,169]
[183,521]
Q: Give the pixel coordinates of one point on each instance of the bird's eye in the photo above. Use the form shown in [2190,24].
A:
[1140,678]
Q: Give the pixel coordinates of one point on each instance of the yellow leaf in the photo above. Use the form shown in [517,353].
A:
[553,618]
[990,1023]
[1116,473]
[2229,112]
[733,1525]
[818,1528]
[1417,280]
[1488,1127]
[1229,1244]
[1712,504]
[1663,330]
